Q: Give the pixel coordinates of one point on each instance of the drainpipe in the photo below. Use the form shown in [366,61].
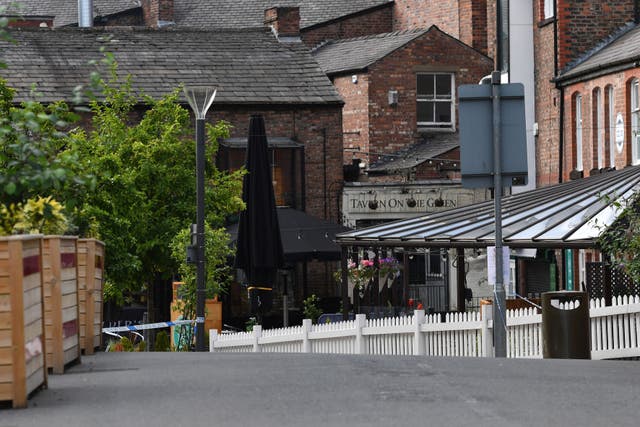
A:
[85,13]
[324,170]
[561,89]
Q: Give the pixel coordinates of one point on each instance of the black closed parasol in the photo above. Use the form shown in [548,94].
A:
[259,246]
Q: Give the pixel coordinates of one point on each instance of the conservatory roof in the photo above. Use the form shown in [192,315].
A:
[568,215]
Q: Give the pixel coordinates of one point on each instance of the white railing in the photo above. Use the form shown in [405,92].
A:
[615,333]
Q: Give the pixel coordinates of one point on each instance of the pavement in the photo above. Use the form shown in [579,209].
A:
[270,389]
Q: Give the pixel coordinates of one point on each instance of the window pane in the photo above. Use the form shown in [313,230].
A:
[425,85]
[416,269]
[443,86]
[425,111]
[434,262]
[443,112]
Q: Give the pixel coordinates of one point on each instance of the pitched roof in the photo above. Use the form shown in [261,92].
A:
[66,11]
[344,55]
[207,13]
[249,66]
[250,13]
[620,51]
[431,147]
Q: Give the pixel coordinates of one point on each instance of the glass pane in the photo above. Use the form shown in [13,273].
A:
[443,86]
[425,111]
[443,112]
[416,268]
[425,85]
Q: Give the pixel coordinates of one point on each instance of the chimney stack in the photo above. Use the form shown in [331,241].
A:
[157,13]
[285,21]
[85,13]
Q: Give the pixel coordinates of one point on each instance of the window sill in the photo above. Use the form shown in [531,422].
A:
[546,22]
[424,129]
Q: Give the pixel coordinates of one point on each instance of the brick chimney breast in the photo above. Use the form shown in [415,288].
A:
[157,12]
[284,20]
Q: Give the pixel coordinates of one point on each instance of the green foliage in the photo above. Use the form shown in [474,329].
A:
[33,158]
[250,323]
[162,342]
[621,241]
[144,165]
[311,309]
[218,271]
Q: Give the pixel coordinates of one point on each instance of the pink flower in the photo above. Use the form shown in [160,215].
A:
[366,263]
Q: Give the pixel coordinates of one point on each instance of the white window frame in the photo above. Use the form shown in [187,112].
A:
[578,118]
[434,125]
[612,128]
[548,9]
[599,128]
[635,122]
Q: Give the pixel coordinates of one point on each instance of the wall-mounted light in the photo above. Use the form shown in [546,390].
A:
[354,79]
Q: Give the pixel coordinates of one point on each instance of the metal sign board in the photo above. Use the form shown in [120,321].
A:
[476,135]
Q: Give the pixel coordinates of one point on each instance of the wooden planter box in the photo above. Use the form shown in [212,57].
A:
[90,269]
[212,308]
[22,343]
[61,311]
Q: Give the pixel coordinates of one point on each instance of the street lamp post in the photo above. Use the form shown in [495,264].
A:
[200,99]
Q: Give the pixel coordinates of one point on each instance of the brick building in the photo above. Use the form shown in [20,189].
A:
[256,74]
[399,118]
[564,37]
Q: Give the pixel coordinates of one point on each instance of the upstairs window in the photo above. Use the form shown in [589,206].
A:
[599,120]
[635,123]
[611,120]
[578,134]
[548,9]
[435,101]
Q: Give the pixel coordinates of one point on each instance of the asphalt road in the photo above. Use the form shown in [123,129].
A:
[206,389]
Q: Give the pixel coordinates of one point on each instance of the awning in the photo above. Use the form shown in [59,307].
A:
[568,215]
[304,237]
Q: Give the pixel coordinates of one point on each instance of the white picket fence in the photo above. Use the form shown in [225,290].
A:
[615,333]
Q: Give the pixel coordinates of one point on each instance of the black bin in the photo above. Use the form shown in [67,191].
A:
[565,331]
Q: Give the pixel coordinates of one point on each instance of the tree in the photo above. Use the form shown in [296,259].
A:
[145,191]
[33,158]
[621,241]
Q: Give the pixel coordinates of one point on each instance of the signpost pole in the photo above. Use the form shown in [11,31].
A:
[499,307]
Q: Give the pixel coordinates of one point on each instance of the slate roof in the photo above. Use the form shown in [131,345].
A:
[620,51]
[250,13]
[208,13]
[250,66]
[65,12]
[431,147]
[338,56]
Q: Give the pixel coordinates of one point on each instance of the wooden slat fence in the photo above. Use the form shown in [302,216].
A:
[615,333]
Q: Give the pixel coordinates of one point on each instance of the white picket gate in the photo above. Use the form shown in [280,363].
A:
[615,333]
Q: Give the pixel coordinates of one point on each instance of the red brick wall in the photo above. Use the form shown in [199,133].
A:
[394,127]
[157,10]
[585,23]
[408,14]
[285,20]
[621,95]
[466,20]
[303,124]
[355,118]
[375,22]
[547,102]
[30,22]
